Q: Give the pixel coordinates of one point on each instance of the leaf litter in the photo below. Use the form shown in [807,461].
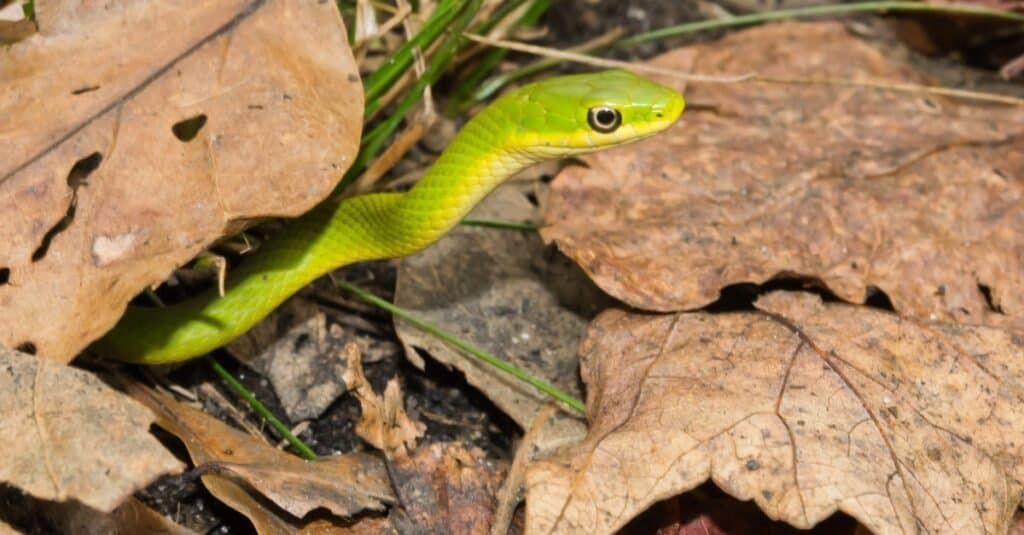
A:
[244,472]
[916,195]
[211,118]
[903,422]
[68,436]
[806,408]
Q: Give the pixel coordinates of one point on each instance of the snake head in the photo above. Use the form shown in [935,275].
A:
[581,113]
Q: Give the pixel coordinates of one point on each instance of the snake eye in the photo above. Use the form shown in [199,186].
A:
[604,119]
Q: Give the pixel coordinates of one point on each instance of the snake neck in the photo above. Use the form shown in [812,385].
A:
[472,166]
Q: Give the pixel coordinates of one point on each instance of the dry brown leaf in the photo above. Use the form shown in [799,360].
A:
[445,488]
[805,408]
[68,436]
[917,195]
[129,518]
[384,423]
[345,484]
[500,290]
[275,86]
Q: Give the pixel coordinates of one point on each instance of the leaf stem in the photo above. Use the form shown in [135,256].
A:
[757,18]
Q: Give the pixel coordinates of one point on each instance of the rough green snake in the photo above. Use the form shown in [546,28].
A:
[553,118]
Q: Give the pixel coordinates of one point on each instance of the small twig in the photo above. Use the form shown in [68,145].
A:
[397,18]
[752,77]
[894,87]
[605,63]
[393,153]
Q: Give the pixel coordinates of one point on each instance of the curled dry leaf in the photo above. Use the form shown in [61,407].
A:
[384,422]
[806,408]
[344,484]
[917,195]
[68,436]
[170,125]
[501,291]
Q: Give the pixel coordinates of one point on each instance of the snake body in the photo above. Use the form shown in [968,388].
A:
[553,118]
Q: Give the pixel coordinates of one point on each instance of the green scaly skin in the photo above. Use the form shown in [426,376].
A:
[537,122]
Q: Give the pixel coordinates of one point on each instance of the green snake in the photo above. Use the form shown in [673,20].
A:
[553,118]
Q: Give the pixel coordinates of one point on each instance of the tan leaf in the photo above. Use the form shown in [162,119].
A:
[501,291]
[384,423]
[446,488]
[14,26]
[345,484]
[68,436]
[130,517]
[805,408]
[102,190]
[917,195]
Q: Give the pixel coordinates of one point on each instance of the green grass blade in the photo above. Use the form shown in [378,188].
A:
[262,410]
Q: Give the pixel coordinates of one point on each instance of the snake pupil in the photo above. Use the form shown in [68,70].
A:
[604,119]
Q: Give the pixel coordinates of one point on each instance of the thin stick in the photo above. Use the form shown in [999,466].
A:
[751,77]
[757,18]
[604,63]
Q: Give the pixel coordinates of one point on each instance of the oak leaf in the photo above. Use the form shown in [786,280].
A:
[805,408]
[917,195]
[169,125]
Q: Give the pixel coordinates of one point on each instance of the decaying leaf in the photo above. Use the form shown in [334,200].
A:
[384,423]
[804,408]
[156,139]
[917,195]
[501,291]
[301,355]
[68,436]
[344,484]
[445,488]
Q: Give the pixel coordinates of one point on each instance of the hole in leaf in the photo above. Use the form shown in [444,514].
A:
[77,177]
[26,347]
[878,299]
[5,275]
[532,197]
[986,292]
[187,130]
[301,341]
[741,296]
[86,89]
